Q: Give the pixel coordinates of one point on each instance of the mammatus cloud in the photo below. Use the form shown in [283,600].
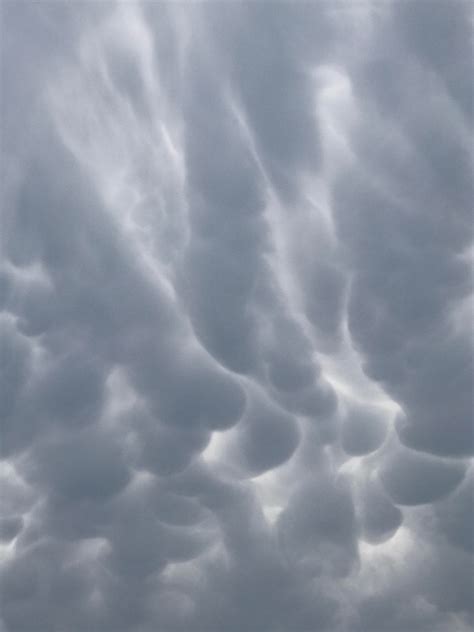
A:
[235,292]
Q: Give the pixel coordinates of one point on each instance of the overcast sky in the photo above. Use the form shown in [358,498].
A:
[235,316]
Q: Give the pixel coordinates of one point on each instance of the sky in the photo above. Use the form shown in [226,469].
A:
[235,316]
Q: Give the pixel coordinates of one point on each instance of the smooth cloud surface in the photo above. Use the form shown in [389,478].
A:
[236,359]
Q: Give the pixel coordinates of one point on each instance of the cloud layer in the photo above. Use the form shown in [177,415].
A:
[235,293]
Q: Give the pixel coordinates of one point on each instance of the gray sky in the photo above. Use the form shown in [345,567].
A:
[236,325]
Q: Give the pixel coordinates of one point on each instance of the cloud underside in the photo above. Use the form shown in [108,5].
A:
[236,344]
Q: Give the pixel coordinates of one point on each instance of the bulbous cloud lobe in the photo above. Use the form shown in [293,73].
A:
[235,317]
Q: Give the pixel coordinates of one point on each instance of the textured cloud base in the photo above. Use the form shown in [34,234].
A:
[235,323]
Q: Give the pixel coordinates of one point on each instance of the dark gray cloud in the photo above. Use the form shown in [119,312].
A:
[235,327]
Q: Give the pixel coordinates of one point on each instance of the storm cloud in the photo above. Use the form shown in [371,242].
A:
[236,385]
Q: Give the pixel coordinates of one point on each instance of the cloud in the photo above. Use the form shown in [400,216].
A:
[412,478]
[235,338]
[363,429]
